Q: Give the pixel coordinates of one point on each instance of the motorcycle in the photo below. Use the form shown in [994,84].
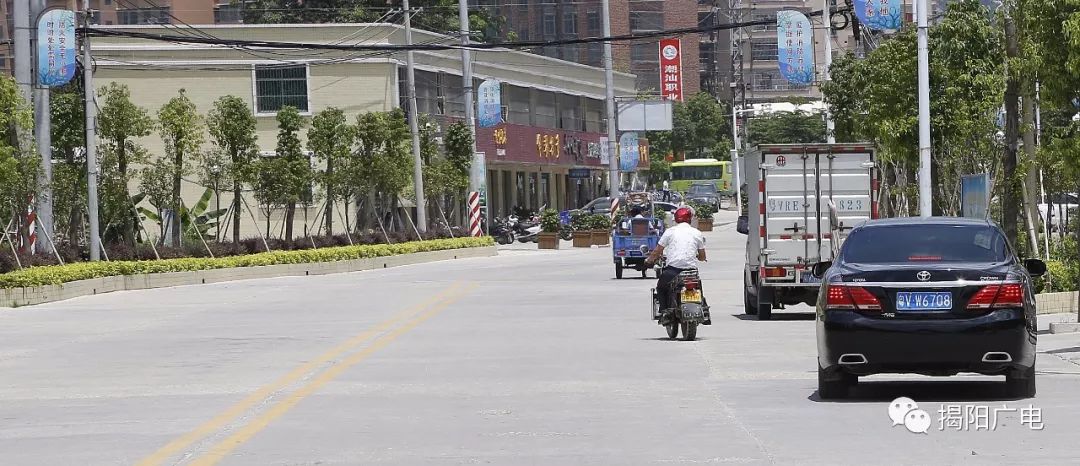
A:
[502,231]
[688,308]
[529,229]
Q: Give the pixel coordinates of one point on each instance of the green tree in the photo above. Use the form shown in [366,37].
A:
[232,127]
[383,165]
[295,166]
[18,170]
[69,178]
[120,123]
[875,99]
[659,148]
[786,128]
[700,128]
[330,139]
[457,164]
[182,132]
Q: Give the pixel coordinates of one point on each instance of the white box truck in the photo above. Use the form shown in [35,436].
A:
[802,199]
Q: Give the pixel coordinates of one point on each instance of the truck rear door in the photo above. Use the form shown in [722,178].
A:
[847,180]
[797,189]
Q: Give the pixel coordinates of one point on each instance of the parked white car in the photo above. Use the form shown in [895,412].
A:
[1062,203]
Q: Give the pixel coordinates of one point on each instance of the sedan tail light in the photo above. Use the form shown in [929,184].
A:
[851,297]
[997,296]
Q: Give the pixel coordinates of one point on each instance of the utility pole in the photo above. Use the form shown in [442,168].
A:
[1031,181]
[609,82]
[1009,207]
[418,162]
[467,85]
[23,59]
[925,187]
[826,16]
[91,138]
[43,134]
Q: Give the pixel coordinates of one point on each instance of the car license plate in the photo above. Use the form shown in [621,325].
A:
[691,296]
[923,300]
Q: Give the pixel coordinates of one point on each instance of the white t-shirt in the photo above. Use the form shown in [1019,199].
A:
[681,244]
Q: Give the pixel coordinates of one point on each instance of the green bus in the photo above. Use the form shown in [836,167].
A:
[691,171]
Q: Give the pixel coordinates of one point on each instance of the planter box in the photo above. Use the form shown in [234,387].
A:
[583,239]
[548,240]
[705,224]
[600,237]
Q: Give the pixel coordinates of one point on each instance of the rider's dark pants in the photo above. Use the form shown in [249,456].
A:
[663,286]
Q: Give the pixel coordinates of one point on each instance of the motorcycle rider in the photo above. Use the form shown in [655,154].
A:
[684,246]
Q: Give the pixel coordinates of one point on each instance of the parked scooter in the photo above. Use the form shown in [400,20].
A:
[687,308]
[502,231]
[527,230]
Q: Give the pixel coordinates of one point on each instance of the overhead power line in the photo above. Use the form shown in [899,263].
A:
[109,32]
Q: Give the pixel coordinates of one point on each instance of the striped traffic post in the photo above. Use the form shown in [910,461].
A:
[31,232]
[474,214]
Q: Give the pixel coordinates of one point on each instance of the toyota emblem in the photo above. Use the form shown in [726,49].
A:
[923,276]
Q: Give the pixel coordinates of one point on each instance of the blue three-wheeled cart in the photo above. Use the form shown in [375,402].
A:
[633,238]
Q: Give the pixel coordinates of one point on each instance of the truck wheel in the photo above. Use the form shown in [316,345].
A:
[618,270]
[764,304]
[749,301]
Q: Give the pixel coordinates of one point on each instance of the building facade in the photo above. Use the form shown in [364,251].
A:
[545,153]
[549,20]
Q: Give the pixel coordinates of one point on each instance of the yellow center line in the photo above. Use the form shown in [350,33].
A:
[258,396]
[245,433]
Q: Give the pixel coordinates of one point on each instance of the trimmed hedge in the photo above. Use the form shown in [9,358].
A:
[58,274]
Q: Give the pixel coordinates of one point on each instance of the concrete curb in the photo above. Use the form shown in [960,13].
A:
[1064,327]
[14,297]
[1054,303]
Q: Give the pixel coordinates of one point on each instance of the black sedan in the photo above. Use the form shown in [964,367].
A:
[934,296]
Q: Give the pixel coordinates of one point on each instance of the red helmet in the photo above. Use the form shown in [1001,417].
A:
[683,215]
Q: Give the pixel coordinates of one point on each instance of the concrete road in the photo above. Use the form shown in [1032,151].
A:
[527,358]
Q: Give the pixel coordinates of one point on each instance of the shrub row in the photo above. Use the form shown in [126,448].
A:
[57,274]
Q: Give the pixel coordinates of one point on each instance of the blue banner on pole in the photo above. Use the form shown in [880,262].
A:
[489,103]
[975,195]
[629,152]
[56,47]
[795,47]
[880,15]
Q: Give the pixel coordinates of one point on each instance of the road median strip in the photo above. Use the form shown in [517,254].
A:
[417,313]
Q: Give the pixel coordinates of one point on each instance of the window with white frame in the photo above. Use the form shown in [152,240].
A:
[277,87]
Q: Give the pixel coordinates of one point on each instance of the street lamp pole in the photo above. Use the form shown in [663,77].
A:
[609,83]
[925,204]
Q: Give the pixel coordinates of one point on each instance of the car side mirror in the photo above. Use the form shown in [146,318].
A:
[1035,267]
[743,225]
[820,268]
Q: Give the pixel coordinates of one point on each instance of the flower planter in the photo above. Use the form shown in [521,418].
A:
[705,224]
[600,237]
[582,239]
[548,240]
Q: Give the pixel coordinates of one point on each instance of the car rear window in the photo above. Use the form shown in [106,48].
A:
[925,243]
[702,189]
